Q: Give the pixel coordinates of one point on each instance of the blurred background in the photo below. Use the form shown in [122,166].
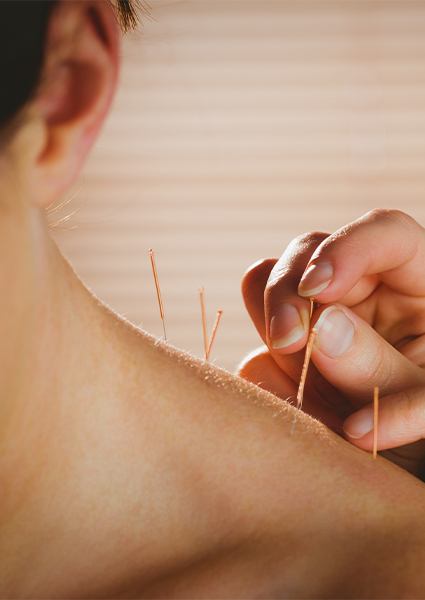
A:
[238,125]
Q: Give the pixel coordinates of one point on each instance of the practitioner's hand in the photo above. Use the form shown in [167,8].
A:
[375,267]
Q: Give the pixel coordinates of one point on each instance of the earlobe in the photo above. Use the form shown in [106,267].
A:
[24,145]
[77,87]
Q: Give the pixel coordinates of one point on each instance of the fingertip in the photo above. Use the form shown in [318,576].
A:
[335,331]
[285,346]
[316,279]
[359,424]
[253,284]
[253,362]
[288,328]
[257,274]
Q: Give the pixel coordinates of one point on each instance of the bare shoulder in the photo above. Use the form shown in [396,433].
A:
[279,498]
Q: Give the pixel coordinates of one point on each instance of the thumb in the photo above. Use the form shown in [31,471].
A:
[354,358]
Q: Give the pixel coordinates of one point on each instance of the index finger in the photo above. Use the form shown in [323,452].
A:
[287,314]
[385,242]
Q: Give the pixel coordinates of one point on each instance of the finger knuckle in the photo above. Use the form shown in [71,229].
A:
[309,238]
[380,370]
[391,215]
[275,285]
[412,412]
[293,261]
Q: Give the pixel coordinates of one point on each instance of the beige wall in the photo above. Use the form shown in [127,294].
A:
[238,125]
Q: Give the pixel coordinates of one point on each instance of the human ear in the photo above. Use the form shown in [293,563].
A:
[78,82]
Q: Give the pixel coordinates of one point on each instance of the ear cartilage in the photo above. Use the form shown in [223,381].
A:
[158,291]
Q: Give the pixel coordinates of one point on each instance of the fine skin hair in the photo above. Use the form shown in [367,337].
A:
[129,469]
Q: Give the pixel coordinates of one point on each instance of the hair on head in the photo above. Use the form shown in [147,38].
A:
[127,13]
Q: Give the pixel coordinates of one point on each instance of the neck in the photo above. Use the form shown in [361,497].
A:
[79,429]
[95,443]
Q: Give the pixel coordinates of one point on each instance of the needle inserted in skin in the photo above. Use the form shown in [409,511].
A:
[375,421]
[307,357]
[214,333]
[158,291]
[308,351]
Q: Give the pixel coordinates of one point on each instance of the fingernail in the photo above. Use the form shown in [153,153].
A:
[287,326]
[335,332]
[359,424]
[316,279]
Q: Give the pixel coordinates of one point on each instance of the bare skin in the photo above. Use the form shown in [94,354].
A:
[121,483]
[129,469]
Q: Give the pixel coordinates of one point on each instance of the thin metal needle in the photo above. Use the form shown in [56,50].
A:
[375,421]
[158,291]
[204,321]
[214,332]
